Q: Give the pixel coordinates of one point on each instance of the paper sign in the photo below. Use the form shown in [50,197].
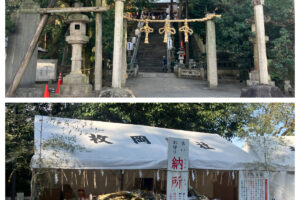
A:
[177,182]
[253,185]
[169,43]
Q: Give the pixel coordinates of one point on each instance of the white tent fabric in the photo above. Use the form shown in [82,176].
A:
[82,144]
[279,155]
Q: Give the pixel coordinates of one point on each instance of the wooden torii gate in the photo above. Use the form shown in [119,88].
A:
[46,12]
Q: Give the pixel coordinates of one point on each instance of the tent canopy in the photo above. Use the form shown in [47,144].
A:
[275,152]
[83,144]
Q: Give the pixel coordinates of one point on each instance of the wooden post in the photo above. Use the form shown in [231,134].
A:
[171,10]
[187,46]
[179,17]
[29,53]
[118,37]
[73,10]
[98,53]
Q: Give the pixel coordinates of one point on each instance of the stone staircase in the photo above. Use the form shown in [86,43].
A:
[150,56]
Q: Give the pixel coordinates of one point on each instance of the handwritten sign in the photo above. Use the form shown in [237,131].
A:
[253,185]
[178,160]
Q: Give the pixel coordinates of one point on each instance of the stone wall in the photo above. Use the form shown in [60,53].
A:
[26,21]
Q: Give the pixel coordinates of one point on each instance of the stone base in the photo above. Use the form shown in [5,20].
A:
[75,78]
[261,91]
[76,85]
[254,83]
[116,92]
[254,79]
[79,90]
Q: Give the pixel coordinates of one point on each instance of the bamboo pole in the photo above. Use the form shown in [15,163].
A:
[28,55]
[97,9]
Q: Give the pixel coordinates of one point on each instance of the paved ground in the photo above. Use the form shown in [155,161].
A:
[168,85]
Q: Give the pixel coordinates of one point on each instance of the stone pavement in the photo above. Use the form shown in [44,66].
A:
[168,85]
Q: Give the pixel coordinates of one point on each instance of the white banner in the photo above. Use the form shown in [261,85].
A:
[178,157]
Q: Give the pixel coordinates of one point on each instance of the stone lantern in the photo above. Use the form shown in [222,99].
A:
[180,56]
[76,83]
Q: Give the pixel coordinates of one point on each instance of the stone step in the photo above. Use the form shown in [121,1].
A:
[156,75]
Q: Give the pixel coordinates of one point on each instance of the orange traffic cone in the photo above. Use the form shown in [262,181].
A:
[59,83]
[46,93]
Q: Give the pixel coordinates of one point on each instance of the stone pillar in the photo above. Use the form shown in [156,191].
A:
[98,53]
[260,40]
[26,20]
[124,56]
[118,37]
[211,54]
[253,41]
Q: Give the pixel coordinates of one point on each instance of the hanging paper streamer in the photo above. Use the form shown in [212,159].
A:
[233,175]
[147,29]
[218,173]
[140,173]
[95,180]
[187,30]
[207,172]
[102,172]
[56,178]
[157,174]
[193,176]
[166,29]
[79,171]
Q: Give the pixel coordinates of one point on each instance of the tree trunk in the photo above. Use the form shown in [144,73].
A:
[13,185]
[187,46]
[29,53]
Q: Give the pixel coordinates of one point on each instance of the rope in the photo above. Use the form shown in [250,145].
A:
[187,30]
[208,17]
[166,29]
[147,29]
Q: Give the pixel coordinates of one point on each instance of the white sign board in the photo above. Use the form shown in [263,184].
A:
[178,160]
[169,43]
[46,69]
[253,185]
[129,46]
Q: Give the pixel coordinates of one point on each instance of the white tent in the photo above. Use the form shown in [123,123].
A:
[277,154]
[83,144]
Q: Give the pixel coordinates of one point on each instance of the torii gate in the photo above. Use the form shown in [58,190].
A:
[50,10]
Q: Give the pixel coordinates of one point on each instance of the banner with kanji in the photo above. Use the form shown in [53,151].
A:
[177,180]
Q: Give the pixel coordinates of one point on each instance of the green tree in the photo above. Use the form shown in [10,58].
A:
[275,119]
